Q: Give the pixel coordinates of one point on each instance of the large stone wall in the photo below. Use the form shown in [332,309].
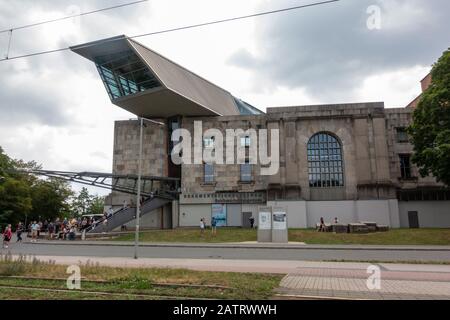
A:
[401,118]
[126,148]
[226,177]
[366,131]
[126,154]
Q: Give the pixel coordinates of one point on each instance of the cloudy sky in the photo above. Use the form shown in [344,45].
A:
[54,109]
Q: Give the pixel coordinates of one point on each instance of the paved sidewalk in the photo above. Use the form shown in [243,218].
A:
[308,279]
[349,281]
[249,244]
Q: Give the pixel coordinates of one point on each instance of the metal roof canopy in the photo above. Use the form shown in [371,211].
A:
[182,92]
[164,186]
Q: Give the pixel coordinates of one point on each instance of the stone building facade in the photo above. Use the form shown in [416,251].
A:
[345,161]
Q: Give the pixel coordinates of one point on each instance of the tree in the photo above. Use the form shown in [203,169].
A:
[430,129]
[24,197]
[85,203]
[15,197]
[97,205]
[81,202]
[50,199]
[15,200]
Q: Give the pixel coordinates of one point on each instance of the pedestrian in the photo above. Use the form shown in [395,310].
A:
[125,204]
[213,226]
[72,233]
[34,231]
[7,236]
[84,224]
[19,231]
[40,228]
[51,230]
[202,226]
[322,225]
[252,222]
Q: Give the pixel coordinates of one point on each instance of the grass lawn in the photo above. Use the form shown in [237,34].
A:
[309,236]
[40,280]
[193,235]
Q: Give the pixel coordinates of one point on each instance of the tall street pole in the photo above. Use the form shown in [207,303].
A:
[138,201]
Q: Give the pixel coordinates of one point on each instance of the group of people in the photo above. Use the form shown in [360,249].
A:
[322,227]
[56,229]
[213,226]
[203,225]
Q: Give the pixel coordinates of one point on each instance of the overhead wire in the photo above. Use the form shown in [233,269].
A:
[192,26]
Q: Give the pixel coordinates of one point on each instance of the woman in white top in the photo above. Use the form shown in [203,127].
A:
[202,226]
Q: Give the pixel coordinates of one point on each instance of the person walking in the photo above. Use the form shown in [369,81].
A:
[34,231]
[40,229]
[213,226]
[252,222]
[7,236]
[51,230]
[322,227]
[19,231]
[202,226]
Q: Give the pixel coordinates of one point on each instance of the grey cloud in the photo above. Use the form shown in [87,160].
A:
[329,50]
[24,104]
[25,98]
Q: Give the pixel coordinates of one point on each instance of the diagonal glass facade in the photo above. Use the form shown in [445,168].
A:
[124,74]
[245,108]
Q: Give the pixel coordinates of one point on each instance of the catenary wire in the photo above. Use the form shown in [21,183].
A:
[175,29]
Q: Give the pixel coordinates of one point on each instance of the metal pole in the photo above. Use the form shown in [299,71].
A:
[138,201]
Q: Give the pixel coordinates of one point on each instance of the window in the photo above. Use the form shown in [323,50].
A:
[209,173]
[402,135]
[405,166]
[208,142]
[246,172]
[245,141]
[325,161]
[124,74]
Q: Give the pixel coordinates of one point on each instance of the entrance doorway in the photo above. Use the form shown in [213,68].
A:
[413,218]
[246,219]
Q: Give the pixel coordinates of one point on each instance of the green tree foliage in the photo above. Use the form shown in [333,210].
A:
[15,196]
[430,129]
[81,202]
[50,199]
[85,203]
[97,205]
[25,197]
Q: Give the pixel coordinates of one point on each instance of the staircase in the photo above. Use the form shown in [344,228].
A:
[125,215]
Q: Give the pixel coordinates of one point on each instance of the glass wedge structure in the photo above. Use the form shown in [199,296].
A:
[125,74]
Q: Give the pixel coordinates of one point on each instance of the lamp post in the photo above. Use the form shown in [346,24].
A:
[138,200]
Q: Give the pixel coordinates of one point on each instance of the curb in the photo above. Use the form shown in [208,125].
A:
[241,246]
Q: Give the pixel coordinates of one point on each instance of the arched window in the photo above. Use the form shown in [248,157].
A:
[325,161]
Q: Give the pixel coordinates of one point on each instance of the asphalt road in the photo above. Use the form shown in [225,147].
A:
[297,254]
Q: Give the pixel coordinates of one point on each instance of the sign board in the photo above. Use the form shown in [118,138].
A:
[264,222]
[219,213]
[279,220]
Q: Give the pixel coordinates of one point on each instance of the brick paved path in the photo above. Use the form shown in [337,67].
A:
[349,281]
